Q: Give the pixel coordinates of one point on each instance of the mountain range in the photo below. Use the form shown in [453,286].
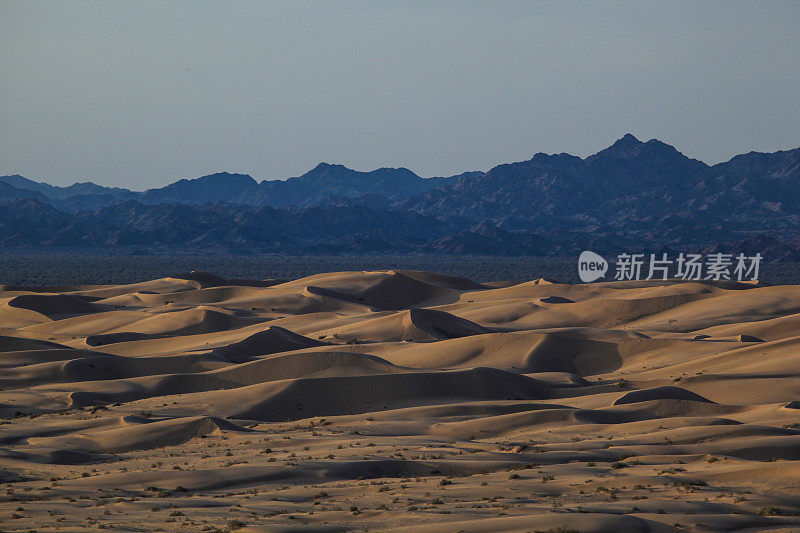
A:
[631,196]
[319,185]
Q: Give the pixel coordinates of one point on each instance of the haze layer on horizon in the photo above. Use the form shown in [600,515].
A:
[139,94]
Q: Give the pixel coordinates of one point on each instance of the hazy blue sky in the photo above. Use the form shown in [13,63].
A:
[140,94]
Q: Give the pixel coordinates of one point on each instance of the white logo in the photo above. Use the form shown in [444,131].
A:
[591,266]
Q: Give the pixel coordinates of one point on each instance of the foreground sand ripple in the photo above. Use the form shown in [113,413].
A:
[399,400]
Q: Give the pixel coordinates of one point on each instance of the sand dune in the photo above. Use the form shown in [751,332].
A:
[53,306]
[400,400]
[273,340]
[139,434]
[415,324]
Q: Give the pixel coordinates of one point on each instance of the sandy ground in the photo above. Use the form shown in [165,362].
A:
[400,400]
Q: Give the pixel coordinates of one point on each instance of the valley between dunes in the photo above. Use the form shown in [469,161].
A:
[400,400]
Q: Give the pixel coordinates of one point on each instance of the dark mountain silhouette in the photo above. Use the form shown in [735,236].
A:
[54,192]
[10,192]
[647,191]
[220,187]
[319,185]
[325,181]
[30,223]
[631,196]
[629,176]
[768,182]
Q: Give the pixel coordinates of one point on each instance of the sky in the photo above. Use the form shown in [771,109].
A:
[140,94]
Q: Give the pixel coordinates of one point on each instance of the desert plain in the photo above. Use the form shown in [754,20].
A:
[402,401]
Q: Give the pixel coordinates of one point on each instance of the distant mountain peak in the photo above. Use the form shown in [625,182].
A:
[218,179]
[14,176]
[559,159]
[629,147]
[341,172]
[327,166]
[629,138]
[329,170]
[22,182]
[226,176]
[626,142]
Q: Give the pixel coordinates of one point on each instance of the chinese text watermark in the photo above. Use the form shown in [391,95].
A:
[716,266]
